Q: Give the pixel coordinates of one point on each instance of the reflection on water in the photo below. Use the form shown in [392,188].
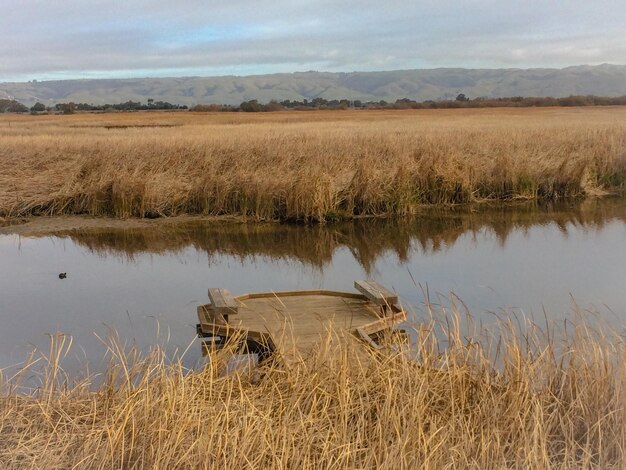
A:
[145,283]
[367,239]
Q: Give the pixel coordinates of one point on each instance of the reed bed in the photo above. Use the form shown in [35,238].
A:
[507,396]
[314,166]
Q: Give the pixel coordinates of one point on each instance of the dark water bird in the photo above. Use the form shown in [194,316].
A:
[62,275]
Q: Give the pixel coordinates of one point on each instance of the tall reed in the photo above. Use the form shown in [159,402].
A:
[465,397]
[320,167]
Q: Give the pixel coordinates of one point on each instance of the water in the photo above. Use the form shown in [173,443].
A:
[145,284]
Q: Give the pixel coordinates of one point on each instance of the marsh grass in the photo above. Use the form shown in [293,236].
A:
[512,395]
[305,166]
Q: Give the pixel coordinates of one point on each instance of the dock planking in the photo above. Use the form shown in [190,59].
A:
[293,323]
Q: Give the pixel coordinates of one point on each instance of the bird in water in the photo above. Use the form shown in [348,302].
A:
[62,275]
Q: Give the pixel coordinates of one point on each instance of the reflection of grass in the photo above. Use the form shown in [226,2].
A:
[499,399]
[305,166]
[367,239]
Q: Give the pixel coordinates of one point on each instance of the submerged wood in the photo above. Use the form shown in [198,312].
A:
[291,324]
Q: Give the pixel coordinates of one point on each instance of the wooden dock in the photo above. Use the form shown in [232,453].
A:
[292,324]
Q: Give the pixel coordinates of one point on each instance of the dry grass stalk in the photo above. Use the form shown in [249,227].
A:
[505,399]
[305,166]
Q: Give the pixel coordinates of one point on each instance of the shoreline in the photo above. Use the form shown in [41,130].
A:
[37,225]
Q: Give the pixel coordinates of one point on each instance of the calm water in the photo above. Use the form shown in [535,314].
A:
[146,283]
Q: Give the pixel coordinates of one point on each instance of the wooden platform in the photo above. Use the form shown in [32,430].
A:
[288,324]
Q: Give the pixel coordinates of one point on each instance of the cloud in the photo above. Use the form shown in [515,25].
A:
[43,39]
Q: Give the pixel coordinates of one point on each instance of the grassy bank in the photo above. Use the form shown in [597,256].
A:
[503,399]
[304,166]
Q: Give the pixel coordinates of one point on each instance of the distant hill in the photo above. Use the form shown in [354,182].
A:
[420,85]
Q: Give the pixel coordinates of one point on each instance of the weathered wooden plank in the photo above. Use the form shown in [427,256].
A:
[301,293]
[223,302]
[384,323]
[298,320]
[207,314]
[376,293]
[363,336]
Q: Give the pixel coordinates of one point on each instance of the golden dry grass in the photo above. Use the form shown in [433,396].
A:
[304,166]
[507,398]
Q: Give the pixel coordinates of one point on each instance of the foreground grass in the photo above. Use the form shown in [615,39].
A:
[491,400]
[304,166]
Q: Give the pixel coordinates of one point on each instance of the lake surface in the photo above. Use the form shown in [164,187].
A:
[145,284]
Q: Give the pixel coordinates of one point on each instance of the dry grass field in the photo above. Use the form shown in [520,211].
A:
[306,166]
[513,397]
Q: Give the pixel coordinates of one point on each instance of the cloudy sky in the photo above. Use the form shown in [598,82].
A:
[46,39]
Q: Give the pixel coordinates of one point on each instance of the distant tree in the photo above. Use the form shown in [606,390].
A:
[462,97]
[38,107]
[274,105]
[12,106]
[252,106]
[318,102]
[212,108]
[405,103]
[68,108]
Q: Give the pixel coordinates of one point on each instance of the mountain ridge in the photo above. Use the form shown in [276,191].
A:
[416,84]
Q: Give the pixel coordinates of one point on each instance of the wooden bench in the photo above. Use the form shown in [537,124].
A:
[223,302]
[376,293]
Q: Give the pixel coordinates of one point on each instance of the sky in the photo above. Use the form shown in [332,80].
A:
[45,39]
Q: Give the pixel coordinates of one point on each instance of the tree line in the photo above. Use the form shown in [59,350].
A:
[71,107]
[461,101]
